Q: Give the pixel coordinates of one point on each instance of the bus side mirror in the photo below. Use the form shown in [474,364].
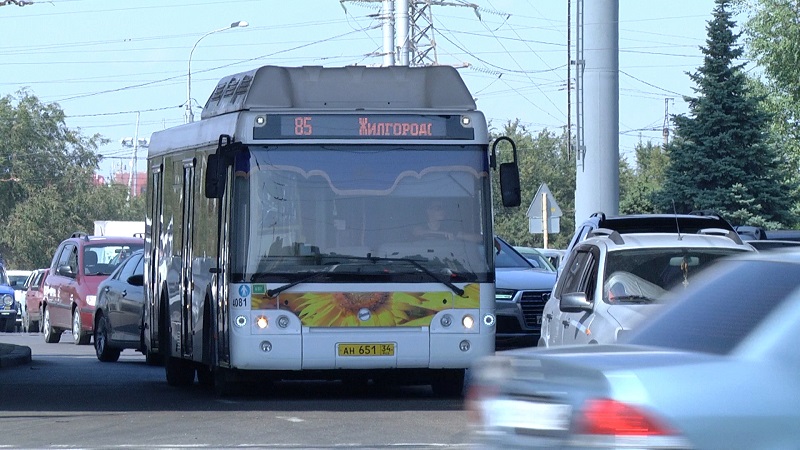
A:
[510,191]
[509,185]
[215,176]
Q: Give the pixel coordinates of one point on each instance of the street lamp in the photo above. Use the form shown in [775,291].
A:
[189,114]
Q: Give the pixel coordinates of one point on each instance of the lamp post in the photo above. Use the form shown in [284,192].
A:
[189,114]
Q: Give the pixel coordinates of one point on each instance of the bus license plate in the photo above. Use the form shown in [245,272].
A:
[383,349]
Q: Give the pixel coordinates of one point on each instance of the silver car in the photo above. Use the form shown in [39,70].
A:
[611,281]
[716,368]
[118,317]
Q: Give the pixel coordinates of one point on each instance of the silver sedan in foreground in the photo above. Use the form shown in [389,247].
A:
[717,368]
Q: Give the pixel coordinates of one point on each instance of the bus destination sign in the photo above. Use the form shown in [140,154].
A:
[361,126]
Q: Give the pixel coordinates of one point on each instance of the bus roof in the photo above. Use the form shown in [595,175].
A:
[344,88]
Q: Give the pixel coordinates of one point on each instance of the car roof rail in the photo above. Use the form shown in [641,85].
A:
[599,214]
[80,234]
[706,212]
[732,235]
[611,234]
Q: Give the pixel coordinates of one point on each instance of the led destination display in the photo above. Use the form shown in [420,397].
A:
[361,126]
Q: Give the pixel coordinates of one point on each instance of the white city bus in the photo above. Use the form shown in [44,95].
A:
[283,230]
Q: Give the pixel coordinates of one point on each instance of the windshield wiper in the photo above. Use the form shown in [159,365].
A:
[373,259]
[278,290]
[457,290]
[633,299]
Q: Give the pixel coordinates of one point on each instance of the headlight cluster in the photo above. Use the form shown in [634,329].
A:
[505,295]
[8,300]
[263,322]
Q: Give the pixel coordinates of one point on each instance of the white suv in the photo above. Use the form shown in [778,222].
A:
[611,281]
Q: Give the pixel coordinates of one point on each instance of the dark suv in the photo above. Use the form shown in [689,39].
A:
[79,264]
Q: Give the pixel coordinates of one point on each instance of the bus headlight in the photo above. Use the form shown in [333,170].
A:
[240,321]
[488,320]
[468,322]
[266,346]
[262,322]
[464,345]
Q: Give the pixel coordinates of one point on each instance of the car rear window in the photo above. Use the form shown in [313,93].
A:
[721,307]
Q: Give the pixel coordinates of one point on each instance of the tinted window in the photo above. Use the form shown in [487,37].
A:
[578,270]
[128,269]
[721,307]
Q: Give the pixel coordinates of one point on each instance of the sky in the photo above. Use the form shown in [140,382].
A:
[119,68]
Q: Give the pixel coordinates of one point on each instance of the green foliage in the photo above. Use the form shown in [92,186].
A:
[723,142]
[639,185]
[773,38]
[49,190]
[542,159]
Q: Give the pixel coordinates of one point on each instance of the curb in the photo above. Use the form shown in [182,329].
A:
[14,355]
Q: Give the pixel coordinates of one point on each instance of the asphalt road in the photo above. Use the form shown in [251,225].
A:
[65,398]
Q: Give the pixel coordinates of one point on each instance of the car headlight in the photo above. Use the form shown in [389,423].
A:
[8,300]
[504,294]
[91,300]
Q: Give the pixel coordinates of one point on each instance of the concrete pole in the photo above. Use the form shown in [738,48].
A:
[388,32]
[597,180]
[403,36]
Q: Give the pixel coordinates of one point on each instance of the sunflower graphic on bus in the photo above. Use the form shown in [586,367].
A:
[369,309]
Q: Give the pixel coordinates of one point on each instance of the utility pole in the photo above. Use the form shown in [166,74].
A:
[569,80]
[665,130]
[409,31]
[134,142]
[388,32]
[597,169]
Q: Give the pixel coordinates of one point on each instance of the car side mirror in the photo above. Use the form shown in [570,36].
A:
[66,271]
[136,280]
[575,302]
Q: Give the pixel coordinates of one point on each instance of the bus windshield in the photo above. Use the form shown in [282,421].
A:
[361,213]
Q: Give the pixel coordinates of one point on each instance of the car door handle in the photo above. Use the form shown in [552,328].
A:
[124,292]
[549,316]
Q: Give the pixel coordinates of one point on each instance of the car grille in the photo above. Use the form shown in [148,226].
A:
[532,303]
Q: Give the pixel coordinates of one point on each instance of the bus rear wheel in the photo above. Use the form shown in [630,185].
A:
[179,372]
[448,383]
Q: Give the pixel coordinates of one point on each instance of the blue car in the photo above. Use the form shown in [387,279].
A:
[9,308]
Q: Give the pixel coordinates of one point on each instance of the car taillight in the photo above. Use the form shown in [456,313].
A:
[476,395]
[610,417]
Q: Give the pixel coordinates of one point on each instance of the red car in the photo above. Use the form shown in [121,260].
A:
[79,264]
[34,294]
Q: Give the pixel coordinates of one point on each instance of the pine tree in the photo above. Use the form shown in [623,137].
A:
[721,149]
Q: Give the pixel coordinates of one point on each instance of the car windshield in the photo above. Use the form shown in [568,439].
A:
[17,281]
[720,309]
[103,259]
[641,275]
